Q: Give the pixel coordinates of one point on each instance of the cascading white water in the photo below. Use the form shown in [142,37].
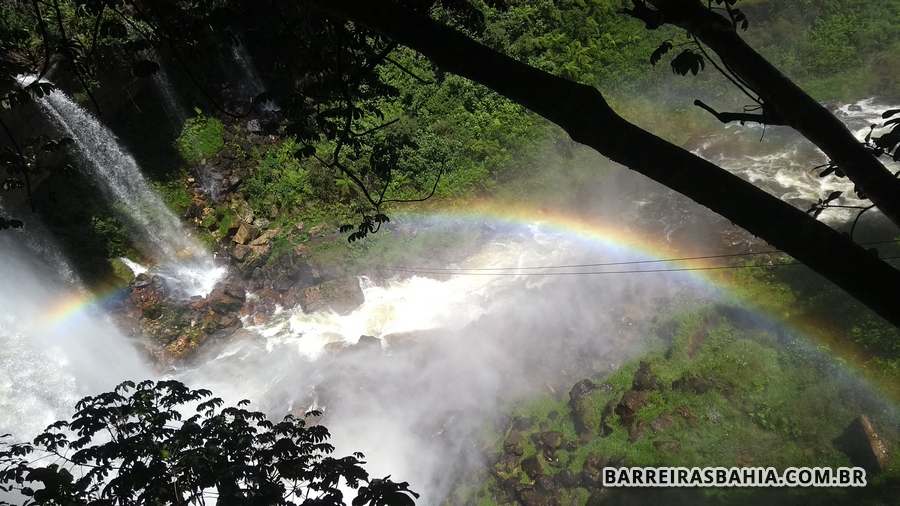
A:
[182,259]
[54,347]
[782,162]
[172,105]
[252,84]
[455,352]
[37,239]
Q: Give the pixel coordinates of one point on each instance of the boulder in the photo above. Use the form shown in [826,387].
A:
[226,298]
[533,467]
[338,295]
[533,496]
[591,472]
[863,445]
[514,444]
[148,293]
[693,384]
[627,408]
[566,479]
[265,237]
[580,411]
[551,440]
[240,252]
[245,233]
[644,379]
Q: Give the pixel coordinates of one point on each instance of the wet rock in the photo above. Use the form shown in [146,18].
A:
[365,344]
[245,233]
[580,410]
[226,298]
[148,293]
[514,444]
[863,445]
[591,472]
[522,422]
[551,440]
[637,430]
[533,467]
[692,383]
[240,252]
[627,408]
[566,479]
[532,496]
[265,237]
[644,379]
[339,295]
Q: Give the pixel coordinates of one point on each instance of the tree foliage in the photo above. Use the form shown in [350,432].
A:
[164,443]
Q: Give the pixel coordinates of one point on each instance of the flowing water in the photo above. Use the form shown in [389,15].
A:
[50,355]
[251,83]
[782,162]
[172,105]
[178,256]
[451,353]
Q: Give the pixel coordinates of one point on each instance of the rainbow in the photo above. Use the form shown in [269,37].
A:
[706,272]
[66,311]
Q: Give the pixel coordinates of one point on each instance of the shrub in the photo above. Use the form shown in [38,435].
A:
[201,137]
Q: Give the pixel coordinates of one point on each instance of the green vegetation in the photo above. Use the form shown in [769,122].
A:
[728,392]
[201,137]
[278,181]
[174,193]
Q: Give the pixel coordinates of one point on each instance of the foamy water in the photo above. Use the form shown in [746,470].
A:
[781,161]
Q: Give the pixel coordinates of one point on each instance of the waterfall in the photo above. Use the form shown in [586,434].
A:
[38,240]
[174,110]
[179,256]
[55,345]
[252,84]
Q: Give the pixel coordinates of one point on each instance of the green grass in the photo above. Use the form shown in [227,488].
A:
[772,403]
[201,137]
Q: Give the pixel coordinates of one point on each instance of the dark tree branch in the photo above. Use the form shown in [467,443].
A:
[23,169]
[67,49]
[375,128]
[763,118]
[786,99]
[408,72]
[583,112]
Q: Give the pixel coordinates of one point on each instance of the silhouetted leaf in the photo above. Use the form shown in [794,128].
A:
[659,52]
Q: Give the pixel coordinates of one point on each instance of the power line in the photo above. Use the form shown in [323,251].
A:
[497,271]
[589,273]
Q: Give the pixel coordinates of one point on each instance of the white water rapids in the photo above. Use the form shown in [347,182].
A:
[781,161]
[452,353]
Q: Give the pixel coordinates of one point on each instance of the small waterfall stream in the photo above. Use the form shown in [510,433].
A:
[174,110]
[252,84]
[180,258]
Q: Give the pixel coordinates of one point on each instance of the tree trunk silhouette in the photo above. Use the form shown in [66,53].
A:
[583,112]
[789,101]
